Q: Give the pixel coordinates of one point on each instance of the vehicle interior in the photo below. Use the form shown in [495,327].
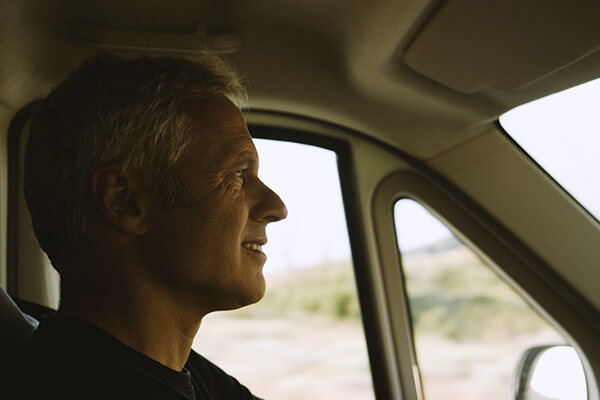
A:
[406,95]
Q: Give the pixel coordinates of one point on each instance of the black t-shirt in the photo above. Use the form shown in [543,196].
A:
[72,358]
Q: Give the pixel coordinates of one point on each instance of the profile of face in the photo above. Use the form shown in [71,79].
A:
[210,252]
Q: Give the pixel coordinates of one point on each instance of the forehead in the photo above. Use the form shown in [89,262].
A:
[220,134]
[214,112]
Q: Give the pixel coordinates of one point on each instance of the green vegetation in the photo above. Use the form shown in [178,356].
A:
[453,294]
[327,290]
[450,294]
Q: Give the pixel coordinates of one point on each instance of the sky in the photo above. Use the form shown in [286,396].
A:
[562,133]
[306,178]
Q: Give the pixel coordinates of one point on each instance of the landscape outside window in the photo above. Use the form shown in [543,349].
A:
[470,327]
[562,133]
[304,339]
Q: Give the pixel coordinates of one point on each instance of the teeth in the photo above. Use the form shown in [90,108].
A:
[252,246]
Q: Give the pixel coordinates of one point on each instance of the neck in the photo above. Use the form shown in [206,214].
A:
[141,315]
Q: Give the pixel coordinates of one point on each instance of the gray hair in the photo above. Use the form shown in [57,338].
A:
[113,110]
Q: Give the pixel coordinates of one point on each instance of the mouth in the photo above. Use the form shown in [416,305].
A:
[255,246]
[252,246]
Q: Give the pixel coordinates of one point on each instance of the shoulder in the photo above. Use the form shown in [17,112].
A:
[69,359]
[213,382]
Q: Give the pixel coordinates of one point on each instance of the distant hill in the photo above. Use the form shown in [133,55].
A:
[451,292]
[439,246]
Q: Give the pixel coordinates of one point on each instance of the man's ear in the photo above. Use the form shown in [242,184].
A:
[121,198]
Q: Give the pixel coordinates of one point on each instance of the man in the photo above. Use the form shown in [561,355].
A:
[141,180]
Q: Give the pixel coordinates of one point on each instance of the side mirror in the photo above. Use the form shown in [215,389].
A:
[550,373]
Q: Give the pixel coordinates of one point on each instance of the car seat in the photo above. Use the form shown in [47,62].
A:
[16,327]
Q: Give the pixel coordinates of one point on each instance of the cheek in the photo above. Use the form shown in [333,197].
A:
[214,229]
[230,192]
[225,205]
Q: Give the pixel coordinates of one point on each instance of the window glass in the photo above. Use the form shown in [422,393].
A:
[304,339]
[560,132]
[470,328]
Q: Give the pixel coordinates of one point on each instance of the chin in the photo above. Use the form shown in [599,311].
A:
[240,297]
[251,294]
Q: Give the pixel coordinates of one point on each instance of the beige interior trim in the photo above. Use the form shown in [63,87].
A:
[526,273]
[469,45]
[94,34]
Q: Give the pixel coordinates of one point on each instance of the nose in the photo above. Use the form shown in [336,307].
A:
[268,206]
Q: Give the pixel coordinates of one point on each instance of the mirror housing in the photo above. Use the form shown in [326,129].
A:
[550,373]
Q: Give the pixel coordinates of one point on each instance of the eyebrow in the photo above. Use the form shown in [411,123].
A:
[244,156]
[247,156]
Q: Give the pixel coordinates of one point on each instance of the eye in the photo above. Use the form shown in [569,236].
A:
[240,173]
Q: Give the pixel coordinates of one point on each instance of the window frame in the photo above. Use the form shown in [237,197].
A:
[354,224]
[523,270]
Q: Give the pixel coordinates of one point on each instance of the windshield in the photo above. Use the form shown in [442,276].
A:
[561,132]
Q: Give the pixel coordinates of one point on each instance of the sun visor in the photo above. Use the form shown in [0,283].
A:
[469,45]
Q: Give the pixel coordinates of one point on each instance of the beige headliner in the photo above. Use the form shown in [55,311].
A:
[338,61]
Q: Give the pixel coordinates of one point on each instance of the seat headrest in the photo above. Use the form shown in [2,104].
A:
[16,327]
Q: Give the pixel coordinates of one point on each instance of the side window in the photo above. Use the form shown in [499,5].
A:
[304,339]
[471,330]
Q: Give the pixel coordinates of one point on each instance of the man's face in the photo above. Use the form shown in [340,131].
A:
[211,250]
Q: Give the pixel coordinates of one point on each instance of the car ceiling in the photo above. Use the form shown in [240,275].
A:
[422,76]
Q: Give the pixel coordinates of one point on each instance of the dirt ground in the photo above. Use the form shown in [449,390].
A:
[317,358]
[293,359]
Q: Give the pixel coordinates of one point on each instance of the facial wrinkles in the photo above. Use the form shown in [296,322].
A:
[221,196]
[217,183]
[221,193]
[235,155]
